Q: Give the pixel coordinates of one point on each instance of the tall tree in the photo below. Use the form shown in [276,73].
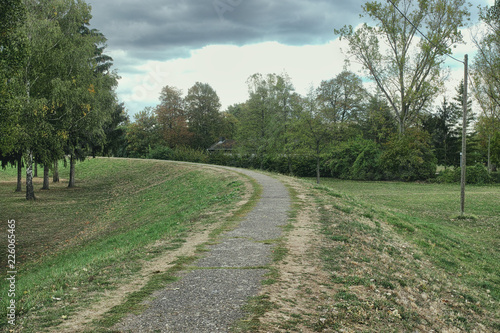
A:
[341,98]
[459,102]
[442,126]
[13,55]
[172,117]
[203,106]
[264,121]
[66,98]
[115,131]
[486,66]
[376,121]
[311,129]
[281,100]
[143,134]
[407,71]
[488,124]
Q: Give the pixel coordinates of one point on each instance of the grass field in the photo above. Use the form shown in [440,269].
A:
[395,257]
[73,244]
[400,260]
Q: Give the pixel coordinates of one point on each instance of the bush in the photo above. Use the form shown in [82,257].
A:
[221,158]
[187,154]
[343,157]
[409,157]
[477,175]
[367,164]
[160,153]
[495,177]
[448,176]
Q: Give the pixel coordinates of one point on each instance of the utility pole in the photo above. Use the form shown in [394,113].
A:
[463,163]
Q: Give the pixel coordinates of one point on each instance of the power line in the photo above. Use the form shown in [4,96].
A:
[423,35]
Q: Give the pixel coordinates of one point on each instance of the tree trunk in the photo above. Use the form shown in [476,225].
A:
[72,172]
[36,170]
[55,177]
[489,153]
[19,173]
[317,170]
[46,185]
[30,191]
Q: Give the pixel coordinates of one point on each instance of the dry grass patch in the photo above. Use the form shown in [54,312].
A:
[355,267]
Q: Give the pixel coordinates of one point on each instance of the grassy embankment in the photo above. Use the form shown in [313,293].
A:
[74,244]
[401,262]
[384,257]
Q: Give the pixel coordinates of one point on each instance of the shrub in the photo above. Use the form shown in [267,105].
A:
[448,176]
[409,157]
[477,174]
[342,158]
[160,153]
[221,158]
[187,154]
[495,177]
[367,164]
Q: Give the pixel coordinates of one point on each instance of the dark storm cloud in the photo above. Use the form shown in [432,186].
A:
[165,29]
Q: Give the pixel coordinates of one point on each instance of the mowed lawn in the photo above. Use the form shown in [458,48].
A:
[467,251]
[73,243]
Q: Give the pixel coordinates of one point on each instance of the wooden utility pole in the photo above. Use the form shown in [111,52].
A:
[463,163]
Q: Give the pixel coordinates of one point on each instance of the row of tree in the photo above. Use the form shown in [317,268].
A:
[56,86]
[335,125]
[403,52]
[57,99]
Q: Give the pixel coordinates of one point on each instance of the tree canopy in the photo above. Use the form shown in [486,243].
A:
[405,66]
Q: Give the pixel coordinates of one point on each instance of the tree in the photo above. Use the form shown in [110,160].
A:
[202,109]
[409,157]
[68,93]
[341,98]
[43,35]
[408,70]
[488,125]
[115,131]
[376,122]
[172,117]
[311,129]
[143,134]
[459,102]
[13,55]
[265,118]
[442,126]
[486,76]
[486,66]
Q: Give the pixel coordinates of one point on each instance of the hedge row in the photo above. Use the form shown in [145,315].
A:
[406,159]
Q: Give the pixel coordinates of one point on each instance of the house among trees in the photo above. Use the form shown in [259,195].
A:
[223,145]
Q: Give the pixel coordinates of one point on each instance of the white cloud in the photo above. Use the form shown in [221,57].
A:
[226,68]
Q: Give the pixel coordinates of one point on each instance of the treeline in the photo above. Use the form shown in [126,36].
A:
[57,101]
[57,98]
[339,129]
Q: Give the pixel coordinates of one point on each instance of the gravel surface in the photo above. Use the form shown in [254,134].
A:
[209,297]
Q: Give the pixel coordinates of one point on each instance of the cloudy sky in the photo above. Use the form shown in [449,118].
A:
[222,42]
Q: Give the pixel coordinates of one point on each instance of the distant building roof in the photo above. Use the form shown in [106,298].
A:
[223,145]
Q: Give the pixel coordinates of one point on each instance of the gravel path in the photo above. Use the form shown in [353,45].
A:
[209,297]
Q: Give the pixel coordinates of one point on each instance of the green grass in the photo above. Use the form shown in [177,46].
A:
[464,253]
[75,243]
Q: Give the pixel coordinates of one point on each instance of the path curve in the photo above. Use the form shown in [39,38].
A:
[209,297]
